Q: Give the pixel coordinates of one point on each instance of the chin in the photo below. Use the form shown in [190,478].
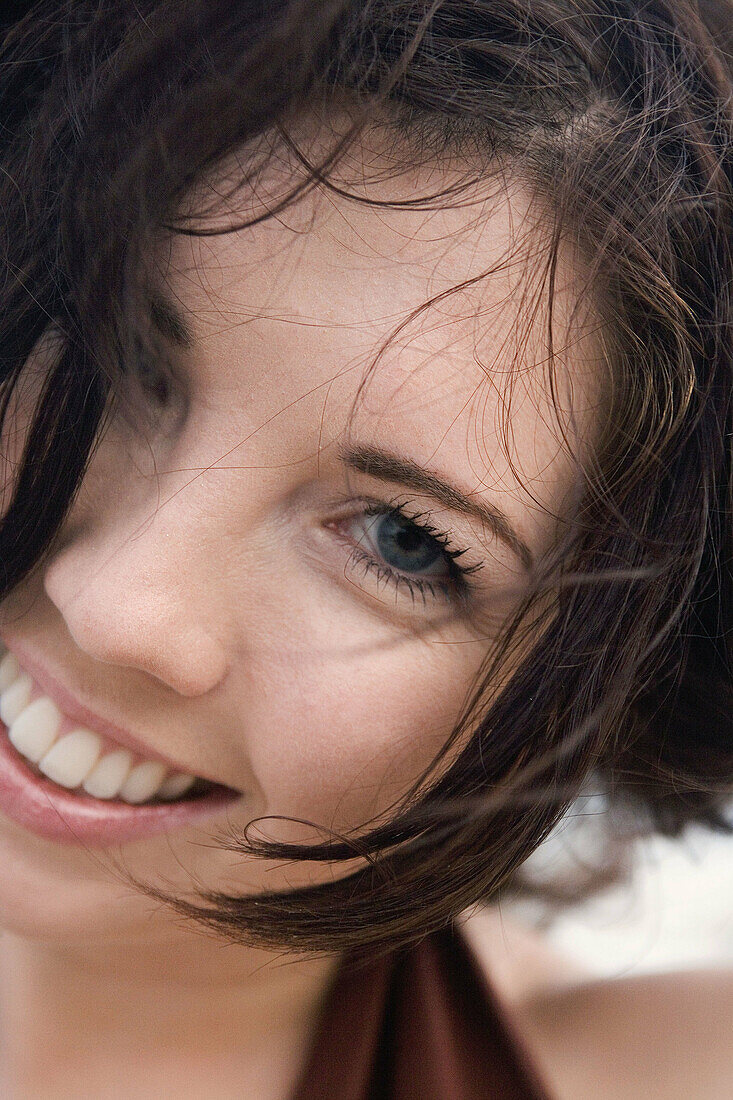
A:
[53,894]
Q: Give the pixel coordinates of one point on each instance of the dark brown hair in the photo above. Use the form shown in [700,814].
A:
[618,114]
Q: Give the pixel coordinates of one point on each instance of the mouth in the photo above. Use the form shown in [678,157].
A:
[73,783]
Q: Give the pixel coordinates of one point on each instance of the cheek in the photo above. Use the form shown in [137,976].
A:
[341,740]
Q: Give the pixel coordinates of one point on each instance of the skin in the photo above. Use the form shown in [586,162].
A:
[662,1036]
[246,646]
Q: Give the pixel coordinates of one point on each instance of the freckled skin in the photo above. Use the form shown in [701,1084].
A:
[247,644]
[198,595]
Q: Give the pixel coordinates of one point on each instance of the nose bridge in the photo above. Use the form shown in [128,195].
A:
[138,586]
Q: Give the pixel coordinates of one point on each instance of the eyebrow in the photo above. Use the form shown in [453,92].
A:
[377,463]
[169,321]
[389,467]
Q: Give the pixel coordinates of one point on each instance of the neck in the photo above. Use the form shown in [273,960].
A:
[182,1005]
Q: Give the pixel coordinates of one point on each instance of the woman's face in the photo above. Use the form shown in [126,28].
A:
[231,587]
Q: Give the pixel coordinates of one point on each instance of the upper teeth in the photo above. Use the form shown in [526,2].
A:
[80,758]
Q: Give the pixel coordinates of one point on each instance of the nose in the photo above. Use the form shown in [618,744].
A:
[142,596]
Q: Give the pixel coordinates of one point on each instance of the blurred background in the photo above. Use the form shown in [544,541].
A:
[674,913]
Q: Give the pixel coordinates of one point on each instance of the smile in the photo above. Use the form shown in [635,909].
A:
[70,783]
[77,757]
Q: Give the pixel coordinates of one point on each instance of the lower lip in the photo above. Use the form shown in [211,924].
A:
[75,818]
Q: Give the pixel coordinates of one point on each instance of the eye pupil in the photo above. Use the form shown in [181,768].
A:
[404,546]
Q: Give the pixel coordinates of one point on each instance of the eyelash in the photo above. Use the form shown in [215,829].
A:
[455,588]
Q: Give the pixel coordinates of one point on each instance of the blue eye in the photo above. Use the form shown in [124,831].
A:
[405,546]
[401,549]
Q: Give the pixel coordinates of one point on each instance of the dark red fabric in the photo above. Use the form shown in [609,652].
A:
[421,1024]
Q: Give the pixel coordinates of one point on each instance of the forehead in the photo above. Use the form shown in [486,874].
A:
[420,327]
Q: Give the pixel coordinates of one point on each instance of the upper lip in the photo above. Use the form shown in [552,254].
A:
[72,708]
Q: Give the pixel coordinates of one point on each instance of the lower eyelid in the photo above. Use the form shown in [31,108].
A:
[452,585]
[438,589]
[403,581]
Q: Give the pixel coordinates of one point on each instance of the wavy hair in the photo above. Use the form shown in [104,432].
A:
[618,114]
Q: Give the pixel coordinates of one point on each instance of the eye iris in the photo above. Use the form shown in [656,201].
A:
[404,546]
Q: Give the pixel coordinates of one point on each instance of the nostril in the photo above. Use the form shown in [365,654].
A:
[188,663]
[189,666]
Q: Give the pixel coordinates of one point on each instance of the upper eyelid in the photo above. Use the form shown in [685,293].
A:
[388,467]
[451,587]
[444,538]
[457,577]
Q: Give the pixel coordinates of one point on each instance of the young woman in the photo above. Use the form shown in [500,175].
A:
[366,419]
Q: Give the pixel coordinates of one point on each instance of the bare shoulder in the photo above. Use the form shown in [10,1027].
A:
[656,1037]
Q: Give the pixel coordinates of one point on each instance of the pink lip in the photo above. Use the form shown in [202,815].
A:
[75,817]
